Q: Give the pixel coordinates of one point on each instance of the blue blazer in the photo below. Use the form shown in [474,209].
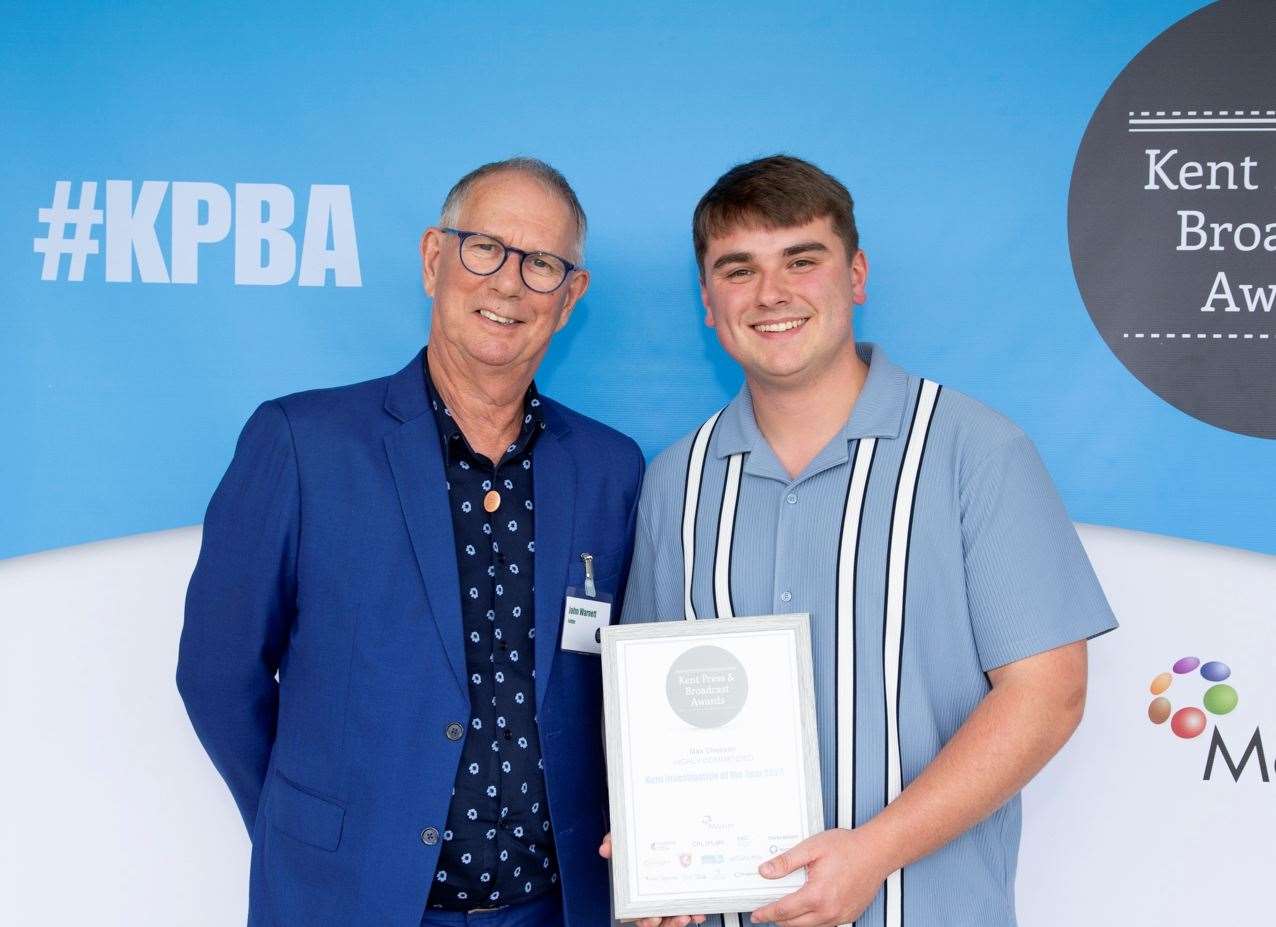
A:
[322,663]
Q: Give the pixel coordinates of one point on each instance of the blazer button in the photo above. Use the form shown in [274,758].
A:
[430,836]
[455,731]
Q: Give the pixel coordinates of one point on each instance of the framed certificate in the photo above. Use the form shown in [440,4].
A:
[712,760]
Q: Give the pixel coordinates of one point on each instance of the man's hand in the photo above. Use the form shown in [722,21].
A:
[680,920]
[844,871]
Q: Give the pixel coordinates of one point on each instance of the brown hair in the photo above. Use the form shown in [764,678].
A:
[774,192]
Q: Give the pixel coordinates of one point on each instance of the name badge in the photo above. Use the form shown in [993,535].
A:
[584,617]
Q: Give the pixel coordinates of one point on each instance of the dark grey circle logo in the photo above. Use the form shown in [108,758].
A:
[1172,216]
[706,686]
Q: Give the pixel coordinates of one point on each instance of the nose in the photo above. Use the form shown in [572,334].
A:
[508,280]
[771,291]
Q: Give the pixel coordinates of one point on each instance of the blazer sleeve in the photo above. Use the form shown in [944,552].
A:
[240,604]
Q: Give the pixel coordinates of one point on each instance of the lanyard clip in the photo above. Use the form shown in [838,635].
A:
[590,589]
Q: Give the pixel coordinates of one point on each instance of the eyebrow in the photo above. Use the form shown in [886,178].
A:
[502,240]
[734,257]
[805,247]
[743,257]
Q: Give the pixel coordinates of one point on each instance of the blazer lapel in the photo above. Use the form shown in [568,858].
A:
[554,495]
[416,460]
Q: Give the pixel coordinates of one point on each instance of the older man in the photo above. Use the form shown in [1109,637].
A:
[949,597]
[374,654]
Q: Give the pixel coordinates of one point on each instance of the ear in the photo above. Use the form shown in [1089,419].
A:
[431,254]
[576,288]
[859,278]
[708,308]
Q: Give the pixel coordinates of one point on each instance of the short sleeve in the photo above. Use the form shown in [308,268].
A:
[1029,584]
[654,592]
[640,593]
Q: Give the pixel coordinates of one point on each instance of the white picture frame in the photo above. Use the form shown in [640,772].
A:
[712,760]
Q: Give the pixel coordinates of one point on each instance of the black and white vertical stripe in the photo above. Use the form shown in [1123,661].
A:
[691,508]
[844,666]
[722,603]
[893,617]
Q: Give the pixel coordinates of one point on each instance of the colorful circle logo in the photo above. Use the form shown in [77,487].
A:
[1189,721]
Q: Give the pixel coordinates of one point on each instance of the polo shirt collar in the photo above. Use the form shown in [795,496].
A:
[878,412]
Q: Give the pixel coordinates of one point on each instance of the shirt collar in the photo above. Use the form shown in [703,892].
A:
[453,440]
[878,412]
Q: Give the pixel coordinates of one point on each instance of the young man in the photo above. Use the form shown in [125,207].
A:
[949,596]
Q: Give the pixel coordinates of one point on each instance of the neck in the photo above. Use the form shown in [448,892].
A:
[799,419]
[487,403]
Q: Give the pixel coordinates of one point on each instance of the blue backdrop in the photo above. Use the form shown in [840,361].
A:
[955,127]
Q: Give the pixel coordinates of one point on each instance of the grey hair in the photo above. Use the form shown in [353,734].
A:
[549,176]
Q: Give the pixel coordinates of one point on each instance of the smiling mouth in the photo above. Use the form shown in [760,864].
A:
[784,325]
[494,317]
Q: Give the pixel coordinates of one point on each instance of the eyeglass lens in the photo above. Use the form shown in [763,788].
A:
[484,255]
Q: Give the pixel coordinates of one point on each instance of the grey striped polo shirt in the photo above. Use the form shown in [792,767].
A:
[928,545]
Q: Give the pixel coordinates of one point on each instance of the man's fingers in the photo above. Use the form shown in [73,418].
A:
[788,908]
[675,920]
[777,867]
[810,919]
[605,850]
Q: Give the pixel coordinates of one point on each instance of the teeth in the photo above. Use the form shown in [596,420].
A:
[489,314]
[781,326]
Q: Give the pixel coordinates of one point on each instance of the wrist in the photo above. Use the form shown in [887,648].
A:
[887,847]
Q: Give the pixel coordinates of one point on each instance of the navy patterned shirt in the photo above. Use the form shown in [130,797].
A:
[497,847]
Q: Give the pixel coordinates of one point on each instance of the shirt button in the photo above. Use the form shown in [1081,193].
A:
[430,836]
[454,731]
[791,498]
[509,736]
[786,596]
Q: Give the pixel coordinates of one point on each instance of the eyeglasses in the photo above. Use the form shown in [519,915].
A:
[484,255]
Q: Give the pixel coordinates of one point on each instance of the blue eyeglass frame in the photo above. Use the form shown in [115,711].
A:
[523,255]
